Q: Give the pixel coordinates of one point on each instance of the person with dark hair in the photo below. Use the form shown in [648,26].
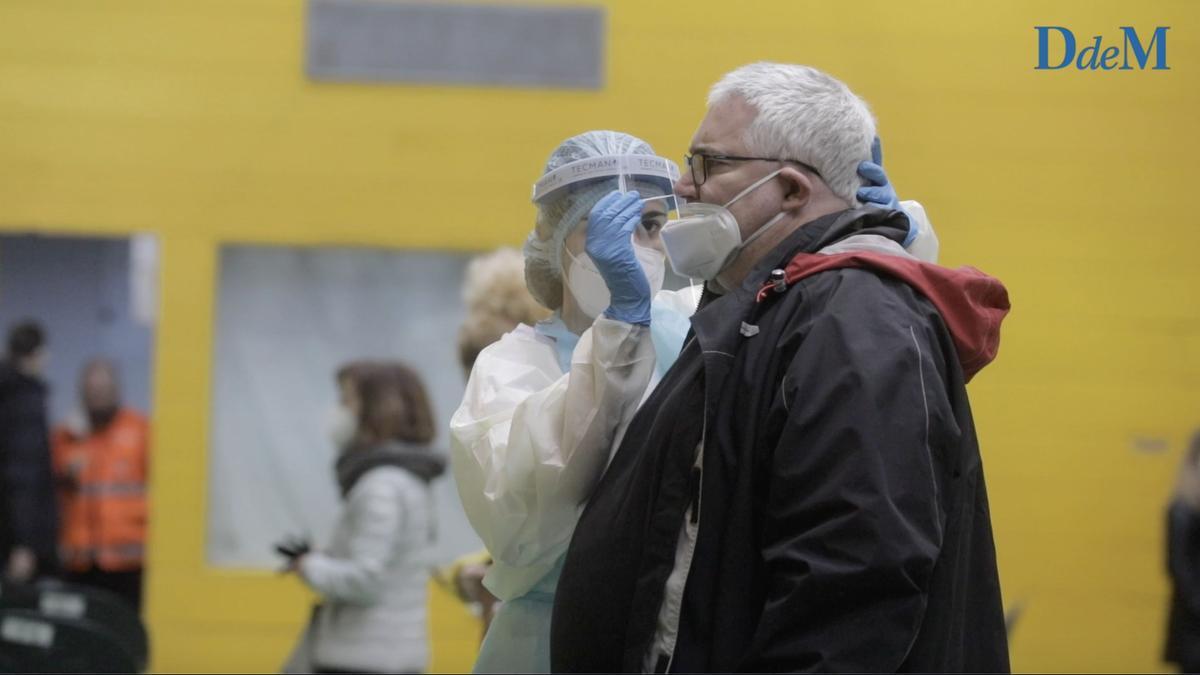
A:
[373,575]
[1183,564]
[343,424]
[28,513]
[101,459]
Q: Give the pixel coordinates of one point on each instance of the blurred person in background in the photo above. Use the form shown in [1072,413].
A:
[101,460]
[28,513]
[1183,564]
[344,420]
[372,576]
[496,302]
[545,405]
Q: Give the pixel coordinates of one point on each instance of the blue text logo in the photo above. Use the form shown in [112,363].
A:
[1056,50]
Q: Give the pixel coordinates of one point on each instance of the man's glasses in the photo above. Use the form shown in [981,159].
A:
[698,163]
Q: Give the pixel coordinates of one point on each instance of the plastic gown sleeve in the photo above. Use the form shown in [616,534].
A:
[528,442]
[376,523]
[853,520]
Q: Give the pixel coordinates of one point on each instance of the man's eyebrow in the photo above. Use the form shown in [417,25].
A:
[703,149]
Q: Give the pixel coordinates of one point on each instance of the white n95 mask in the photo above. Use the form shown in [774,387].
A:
[654,264]
[342,427]
[706,238]
[588,288]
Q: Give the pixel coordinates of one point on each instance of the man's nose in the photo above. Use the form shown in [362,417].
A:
[684,187]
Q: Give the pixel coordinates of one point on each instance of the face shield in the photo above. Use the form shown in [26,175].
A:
[650,176]
[571,191]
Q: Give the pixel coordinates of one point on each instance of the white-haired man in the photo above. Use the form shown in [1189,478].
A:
[803,491]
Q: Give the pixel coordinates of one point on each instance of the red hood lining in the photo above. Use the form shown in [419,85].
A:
[971,303]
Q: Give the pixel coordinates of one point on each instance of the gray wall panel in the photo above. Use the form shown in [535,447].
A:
[452,43]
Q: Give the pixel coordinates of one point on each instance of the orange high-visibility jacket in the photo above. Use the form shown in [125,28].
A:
[102,494]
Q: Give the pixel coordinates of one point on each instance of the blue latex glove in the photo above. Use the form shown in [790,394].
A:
[879,190]
[610,246]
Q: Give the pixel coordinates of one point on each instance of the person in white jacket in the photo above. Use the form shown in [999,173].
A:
[545,405]
[373,574]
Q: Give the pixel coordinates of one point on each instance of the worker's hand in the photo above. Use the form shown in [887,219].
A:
[879,190]
[610,245]
[470,582]
[22,565]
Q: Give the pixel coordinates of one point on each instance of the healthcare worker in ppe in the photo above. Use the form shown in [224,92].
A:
[545,405]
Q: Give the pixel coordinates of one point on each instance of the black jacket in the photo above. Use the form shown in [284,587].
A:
[1183,564]
[28,507]
[843,519]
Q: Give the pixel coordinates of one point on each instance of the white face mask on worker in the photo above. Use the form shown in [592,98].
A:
[588,288]
[706,238]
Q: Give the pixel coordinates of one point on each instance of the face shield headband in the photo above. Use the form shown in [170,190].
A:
[627,169]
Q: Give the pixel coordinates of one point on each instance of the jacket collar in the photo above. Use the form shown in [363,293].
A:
[416,459]
[720,320]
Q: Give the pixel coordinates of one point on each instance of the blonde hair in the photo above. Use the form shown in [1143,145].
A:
[496,300]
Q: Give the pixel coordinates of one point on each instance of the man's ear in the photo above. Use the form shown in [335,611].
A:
[798,188]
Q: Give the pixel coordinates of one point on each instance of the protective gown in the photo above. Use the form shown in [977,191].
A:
[540,416]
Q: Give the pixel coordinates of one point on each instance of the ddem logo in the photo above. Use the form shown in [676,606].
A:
[1092,57]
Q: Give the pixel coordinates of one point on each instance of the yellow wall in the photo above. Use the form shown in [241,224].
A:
[193,120]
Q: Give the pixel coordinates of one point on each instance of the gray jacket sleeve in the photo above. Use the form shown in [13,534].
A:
[374,519]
